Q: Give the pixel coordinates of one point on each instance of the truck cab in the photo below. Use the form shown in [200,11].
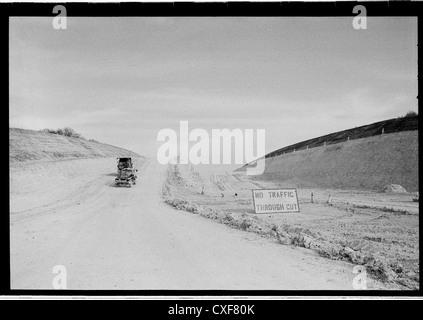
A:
[126,173]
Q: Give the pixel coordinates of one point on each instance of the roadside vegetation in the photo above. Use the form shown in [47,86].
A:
[68,132]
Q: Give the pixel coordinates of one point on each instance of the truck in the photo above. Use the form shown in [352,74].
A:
[126,173]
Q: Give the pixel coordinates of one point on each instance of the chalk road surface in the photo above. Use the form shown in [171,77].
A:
[127,238]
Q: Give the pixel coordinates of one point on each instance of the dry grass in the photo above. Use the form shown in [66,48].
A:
[28,145]
[369,163]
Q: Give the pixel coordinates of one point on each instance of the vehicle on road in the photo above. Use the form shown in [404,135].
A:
[126,173]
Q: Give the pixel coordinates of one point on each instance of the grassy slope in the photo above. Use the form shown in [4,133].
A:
[27,145]
[368,163]
[366,131]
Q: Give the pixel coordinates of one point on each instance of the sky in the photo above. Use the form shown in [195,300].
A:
[122,80]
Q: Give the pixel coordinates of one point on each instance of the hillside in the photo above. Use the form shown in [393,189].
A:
[374,129]
[27,145]
[366,157]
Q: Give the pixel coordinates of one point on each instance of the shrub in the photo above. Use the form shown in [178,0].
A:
[68,132]
[411,114]
[49,131]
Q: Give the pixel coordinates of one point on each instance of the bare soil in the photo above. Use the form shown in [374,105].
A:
[68,213]
[374,229]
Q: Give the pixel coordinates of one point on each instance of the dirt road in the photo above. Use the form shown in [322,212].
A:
[127,238]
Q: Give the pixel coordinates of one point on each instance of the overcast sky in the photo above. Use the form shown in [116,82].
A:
[121,80]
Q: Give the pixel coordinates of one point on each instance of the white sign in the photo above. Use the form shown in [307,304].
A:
[275,200]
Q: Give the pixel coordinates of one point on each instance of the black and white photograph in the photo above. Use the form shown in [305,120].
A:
[213,153]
